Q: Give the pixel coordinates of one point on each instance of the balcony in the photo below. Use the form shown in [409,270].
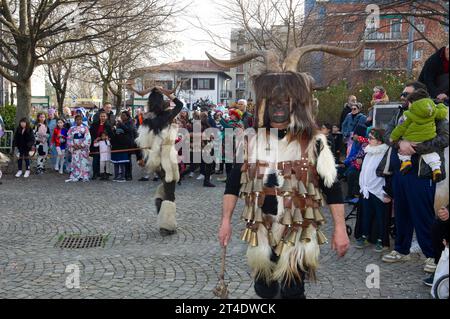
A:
[372,65]
[226,94]
[376,36]
[241,85]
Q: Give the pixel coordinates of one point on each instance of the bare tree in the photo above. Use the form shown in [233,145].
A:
[132,46]
[30,26]
[60,71]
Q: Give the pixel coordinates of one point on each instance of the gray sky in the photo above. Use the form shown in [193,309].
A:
[192,40]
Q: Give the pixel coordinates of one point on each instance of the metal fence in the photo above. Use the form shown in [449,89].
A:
[6,142]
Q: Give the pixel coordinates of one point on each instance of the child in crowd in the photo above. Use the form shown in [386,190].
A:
[379,95]
[419,125]
[122,139]
[374,198]
[354,160]
[59,141]
[24,141]
[104,146]
[42,134]
[234,121]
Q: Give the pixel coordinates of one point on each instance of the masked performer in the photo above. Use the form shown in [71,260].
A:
[286,177]
[157,137]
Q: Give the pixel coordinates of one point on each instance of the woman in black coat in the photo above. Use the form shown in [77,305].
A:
[122,139]
[24,142]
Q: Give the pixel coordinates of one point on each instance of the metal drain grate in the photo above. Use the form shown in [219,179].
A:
[82,242]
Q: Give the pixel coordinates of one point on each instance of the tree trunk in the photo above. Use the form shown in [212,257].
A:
[11,93]
[105,88]
[23,100]
[119,97]
[60,97]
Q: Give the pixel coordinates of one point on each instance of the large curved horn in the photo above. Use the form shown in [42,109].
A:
[293,59]
[270,58]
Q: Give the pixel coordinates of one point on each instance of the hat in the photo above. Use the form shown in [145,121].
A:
[361,130]
[236,113]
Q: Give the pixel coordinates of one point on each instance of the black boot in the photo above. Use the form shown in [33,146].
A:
[266,290]
[208,184]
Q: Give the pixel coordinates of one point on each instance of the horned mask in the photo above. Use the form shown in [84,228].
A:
[284,95]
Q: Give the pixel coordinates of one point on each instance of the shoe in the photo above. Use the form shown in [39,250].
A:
[430,266]
[395,256]
[191,174]
[405,167]
[155,179]
[71,180]
[61,171]
[129,179]
[361,242]
[94,177]
[201,177]
[143,179]
[429,281]
[121,180]
[437,174]
[19,173]
[208,184]
[56,168]
[221,179]
[379,246]
[27,174]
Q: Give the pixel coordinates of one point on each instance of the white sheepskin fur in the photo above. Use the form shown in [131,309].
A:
[167,216]
[326,165]
[302,255]
[159,151]
[259,257]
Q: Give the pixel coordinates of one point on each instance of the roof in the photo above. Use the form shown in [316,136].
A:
[185,66]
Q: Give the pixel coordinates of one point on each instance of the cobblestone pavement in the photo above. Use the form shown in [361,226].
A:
[136,261]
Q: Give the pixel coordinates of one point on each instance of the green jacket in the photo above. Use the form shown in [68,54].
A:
[420,121]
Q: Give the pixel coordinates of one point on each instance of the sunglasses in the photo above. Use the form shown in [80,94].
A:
[404,94]
[355,109]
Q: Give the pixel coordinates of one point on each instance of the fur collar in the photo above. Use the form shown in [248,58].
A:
[379,149]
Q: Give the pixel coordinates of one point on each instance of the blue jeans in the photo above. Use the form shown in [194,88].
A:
[373,206]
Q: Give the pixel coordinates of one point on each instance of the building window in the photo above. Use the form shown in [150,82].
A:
[168,85]
[240,69]
[418,54]
[349,27]
[240,82]
[396,28]
[369,58]
[421,27]
[186,84]
[204,84]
